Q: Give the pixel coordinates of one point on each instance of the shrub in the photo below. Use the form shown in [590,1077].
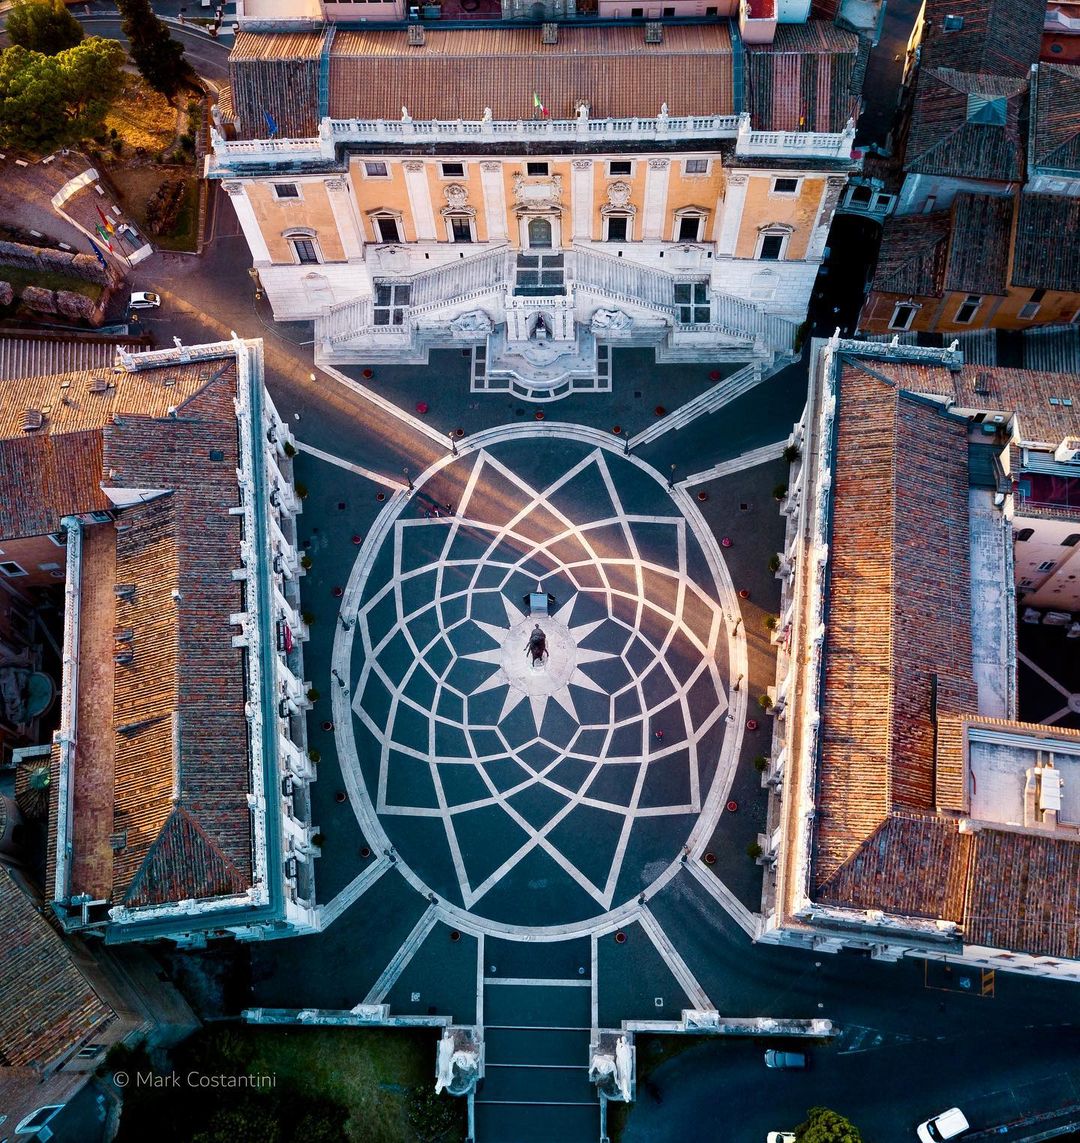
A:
[754,851]
[761,763]
[290,449]
[317,839]
[308,617]
[306,562]
[765,702]
[314,754]
[301,490]
[780,491]
[774,562]
[163,206]
[791,453]
[313,694]
[771,622]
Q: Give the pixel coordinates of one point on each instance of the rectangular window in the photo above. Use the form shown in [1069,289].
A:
[968,309]
[453,170]
[376,170]
[390,303]
[902,317]
[637,13]
[305,250]
[861,195]
[785,186]
[286,190]
[536,168]
[692,302]
[689,228]
[1047,566]
[617,229]
[11,569]
[620,167]
[696,167]
[711,11]
[460,229]
[1028,310]
[388,229]
[669,13]
[772,246]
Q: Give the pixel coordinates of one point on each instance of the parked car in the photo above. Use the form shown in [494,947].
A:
[780,1137]
[144,300]
[785,1060]
[948,1125]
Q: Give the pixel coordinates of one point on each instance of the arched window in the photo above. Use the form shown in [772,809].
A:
[540,233]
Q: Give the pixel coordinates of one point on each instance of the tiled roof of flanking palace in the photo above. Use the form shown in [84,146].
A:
[900,693]
[166,737]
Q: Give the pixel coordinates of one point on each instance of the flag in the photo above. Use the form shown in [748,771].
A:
[538,105]
[271,123]
[98,254]
[104,236]
[105,220]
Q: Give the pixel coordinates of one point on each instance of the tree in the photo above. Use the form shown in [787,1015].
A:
[159,58]
[53,101]
[825,1126]
[43,26]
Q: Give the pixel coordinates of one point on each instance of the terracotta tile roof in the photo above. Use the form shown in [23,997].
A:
[47,1008]
[890,871]
[276,75]
[459,72]
[173,739]
[899,609]
[946,136]
[1055,132]
[913,253]
[1045,258]
[998,37]
[1024,392]
[1024,894]
[803,80]
[981,236]
[49,476]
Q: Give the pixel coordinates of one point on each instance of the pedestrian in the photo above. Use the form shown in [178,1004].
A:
[449,509]
[658,735]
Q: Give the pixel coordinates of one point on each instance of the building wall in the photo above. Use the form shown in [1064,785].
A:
[1059,586]
[939,314]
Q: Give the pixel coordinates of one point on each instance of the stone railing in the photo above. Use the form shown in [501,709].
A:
[230,153]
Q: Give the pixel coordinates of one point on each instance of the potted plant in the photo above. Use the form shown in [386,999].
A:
[779,492]
[308,617]
[305,562]
[761,763]
[754,851]
[766,703]
[314,755]
[301,490]
[791,453]
[290,449]
[771,622]
[774,563]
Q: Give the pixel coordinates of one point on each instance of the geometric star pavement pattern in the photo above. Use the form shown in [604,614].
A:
[562,790]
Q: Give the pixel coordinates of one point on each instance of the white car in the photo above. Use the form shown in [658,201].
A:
[144,300]
[947,1125]
[780,1137]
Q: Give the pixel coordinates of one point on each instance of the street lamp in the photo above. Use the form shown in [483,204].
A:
[453,443]
[671,480]
[408,478]
[253,274]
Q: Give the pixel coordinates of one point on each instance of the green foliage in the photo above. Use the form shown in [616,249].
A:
[290,449]
[249,1118]
[53,101]
[825,1126]
[771,622]
[159,58]
[308,617]
[163,206]
[780,491]
[305,562]
[301,490]
[44,26]
[431,1116]
[313,694]
[317,839]
[774,562]
[765,702]
[791,453]
[754,851]
[761,763]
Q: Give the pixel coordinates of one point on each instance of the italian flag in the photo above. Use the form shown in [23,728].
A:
[538,105]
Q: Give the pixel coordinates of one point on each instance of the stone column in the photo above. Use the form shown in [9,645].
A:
[581,199]
[345,218]
[491,180]
[830,196]
[656,188]
[734,200]
[419,192]
[249,224]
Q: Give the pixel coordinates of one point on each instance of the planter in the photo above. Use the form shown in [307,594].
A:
[367,374]
[459,433]
[703,496]
[751,724]
[616,429]
[364,851]
[620,938]
[732,806]
[358,540]
[744,594]
[725,542]
[710,859]
[421,407]
[341,797]
[538,415]
[327,725]
[338,592]
[455,935]
[714,375]
[660,411]
[380,497]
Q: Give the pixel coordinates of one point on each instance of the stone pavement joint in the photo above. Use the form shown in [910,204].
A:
[738,463]
[739,913]
[401,958]
[387,406]
[352,892]
[679,968]
[375,477]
